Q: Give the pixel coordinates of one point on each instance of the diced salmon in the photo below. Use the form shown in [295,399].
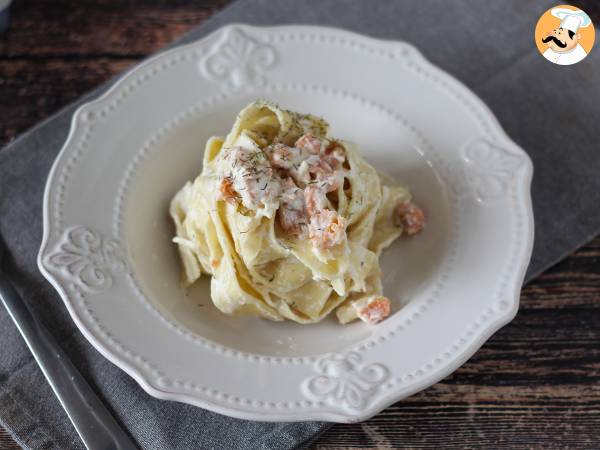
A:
[310,143]
[292,212]
[291,220]
[322,174]
[333,158]
[309,171]
[250,177]
[293,160]
[306,165]
[227,192]
[332,181]
[327,229]
[376,310]
[315,199]
[281,156]
[410,217]
[335,155]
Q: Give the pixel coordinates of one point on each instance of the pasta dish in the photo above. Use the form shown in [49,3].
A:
[290,222]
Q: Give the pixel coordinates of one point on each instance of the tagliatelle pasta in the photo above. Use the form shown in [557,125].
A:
[289,222]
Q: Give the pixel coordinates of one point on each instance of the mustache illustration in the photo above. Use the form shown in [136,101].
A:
[556,41]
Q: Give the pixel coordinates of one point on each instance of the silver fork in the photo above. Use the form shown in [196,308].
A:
[96,426]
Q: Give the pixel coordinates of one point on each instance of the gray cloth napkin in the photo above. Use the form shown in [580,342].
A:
[551,111]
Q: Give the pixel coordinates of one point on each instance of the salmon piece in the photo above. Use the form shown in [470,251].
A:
[410,217]
[306,165]
[335,155]
[251,176]
[227,192]
[282,156]
[332,181]
[289,158]
[308,177]
[310,143]
[292,211]
[376,310]
[315,199]
[327,229]
[292,221]
[322,174]
[295,161]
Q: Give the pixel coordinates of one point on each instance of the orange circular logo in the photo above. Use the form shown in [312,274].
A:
[564,35]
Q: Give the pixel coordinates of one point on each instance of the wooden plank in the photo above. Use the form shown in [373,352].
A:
[43,28]
[535,384]
[31,90]
[7,442]
[56,51]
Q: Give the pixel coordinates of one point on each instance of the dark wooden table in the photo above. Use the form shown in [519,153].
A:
[535,384]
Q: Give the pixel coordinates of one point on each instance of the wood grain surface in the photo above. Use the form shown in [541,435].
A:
[535,384]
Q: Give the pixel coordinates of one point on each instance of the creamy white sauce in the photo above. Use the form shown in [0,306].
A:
[252,177]
[292,181]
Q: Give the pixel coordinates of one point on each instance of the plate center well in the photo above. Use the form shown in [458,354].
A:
[410,265]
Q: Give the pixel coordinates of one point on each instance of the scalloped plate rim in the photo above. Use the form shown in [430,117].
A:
[501,319]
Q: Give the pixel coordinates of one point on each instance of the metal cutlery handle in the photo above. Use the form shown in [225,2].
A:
[94,423]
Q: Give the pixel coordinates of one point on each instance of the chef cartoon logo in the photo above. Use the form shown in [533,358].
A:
[564,35]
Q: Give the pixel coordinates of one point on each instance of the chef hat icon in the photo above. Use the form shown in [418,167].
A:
[570,19]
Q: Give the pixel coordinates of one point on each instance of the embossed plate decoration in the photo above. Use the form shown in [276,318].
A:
[107,236]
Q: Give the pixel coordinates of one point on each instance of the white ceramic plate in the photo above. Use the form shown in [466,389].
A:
[107,248]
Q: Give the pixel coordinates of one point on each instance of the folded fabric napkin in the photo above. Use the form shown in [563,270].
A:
[551,111]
